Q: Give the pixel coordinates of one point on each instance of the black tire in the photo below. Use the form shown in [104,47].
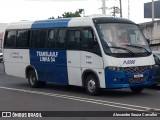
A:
[137,89]
[91,85]
[32,80]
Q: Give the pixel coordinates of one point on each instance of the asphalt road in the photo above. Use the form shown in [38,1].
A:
[16,95]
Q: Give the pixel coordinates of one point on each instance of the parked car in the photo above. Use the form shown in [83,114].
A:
[1,55]
[156,55]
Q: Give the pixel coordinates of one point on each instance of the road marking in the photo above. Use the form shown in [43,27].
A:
[94,101]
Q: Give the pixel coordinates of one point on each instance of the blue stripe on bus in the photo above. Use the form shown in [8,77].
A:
[51,65]
[54,23]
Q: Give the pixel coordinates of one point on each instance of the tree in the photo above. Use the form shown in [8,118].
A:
[51,17]
[75,14]
[78,13]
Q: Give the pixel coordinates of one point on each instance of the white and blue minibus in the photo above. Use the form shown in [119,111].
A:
[95,52]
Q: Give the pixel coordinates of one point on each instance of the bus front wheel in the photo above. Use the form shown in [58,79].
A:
[91,85]
[32,80]
[137,89]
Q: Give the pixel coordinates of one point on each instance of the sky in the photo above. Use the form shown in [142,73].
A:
[17,10]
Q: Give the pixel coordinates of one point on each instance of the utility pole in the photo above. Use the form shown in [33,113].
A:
[114,11]
[128,9]
[120,3]
[103,6]
[152,10]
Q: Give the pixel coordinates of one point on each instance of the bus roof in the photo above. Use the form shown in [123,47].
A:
[66,22]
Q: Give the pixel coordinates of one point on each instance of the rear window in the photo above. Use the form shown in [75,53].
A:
[10,39]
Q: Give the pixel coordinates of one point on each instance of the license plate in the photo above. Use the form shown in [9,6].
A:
[138,76]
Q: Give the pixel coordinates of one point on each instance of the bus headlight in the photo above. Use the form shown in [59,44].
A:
[154,66]
[115,68]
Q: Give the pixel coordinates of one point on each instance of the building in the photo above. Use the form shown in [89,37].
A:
[151,31]
[1,36]
[2,29]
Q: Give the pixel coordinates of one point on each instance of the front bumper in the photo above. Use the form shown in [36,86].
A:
[123,79]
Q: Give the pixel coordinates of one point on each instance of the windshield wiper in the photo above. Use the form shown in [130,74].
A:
[139,48]
[129,51]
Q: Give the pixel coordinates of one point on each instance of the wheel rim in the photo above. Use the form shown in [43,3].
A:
[91,85]
[32,79]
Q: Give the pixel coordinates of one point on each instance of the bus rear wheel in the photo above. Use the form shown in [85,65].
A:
[91,85]
[32,80]
[137,89]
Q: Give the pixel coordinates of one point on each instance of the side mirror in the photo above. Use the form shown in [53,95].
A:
[157,60]
[148,40]
[95,43]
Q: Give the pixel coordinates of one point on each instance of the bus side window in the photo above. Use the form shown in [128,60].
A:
[22,40]
[38,38]
[73,42]
[10,39]
[61,39]
[89,41]
[52,35]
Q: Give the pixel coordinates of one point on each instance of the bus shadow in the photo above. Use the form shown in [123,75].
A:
[120,93]
[117,93]
[76,91]
[154,87]
[66,89]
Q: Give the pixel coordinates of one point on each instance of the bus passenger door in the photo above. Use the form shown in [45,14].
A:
[73,57]
[91,58]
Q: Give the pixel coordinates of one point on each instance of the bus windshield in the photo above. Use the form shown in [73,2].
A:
[121,35]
